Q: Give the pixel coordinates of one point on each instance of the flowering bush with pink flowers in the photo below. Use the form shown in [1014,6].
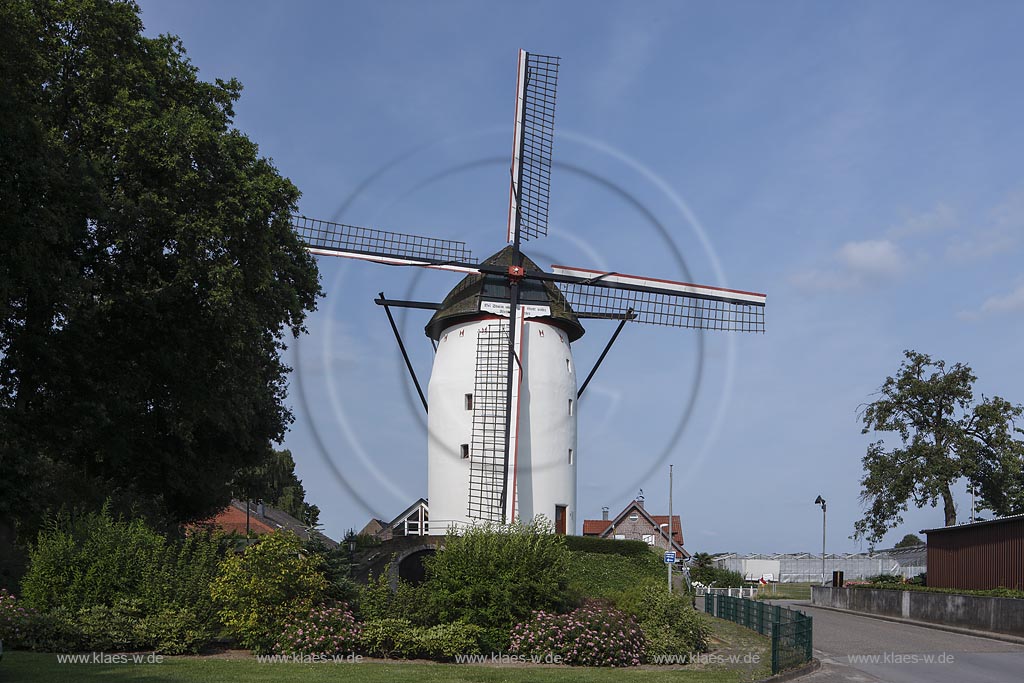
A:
[16,622]
[591,635]
[321,631]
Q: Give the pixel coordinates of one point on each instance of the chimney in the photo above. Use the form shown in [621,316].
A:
[261,511]
[640,499]
[604,513]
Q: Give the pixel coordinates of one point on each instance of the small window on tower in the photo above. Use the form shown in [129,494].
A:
[465,451]
[570,406]
[568,367]
[570,456]
[469,401]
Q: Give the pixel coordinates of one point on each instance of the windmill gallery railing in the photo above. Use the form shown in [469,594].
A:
[790,630]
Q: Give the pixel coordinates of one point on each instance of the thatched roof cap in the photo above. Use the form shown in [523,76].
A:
[463,302]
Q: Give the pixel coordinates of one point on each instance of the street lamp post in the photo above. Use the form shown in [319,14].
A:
[821,501]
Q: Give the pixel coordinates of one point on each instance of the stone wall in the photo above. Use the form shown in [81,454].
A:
[999,615]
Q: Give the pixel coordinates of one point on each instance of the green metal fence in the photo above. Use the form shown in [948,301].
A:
[789,630]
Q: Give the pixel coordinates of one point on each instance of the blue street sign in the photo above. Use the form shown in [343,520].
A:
[670,557]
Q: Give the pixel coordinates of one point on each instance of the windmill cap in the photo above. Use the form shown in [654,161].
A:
[463,302]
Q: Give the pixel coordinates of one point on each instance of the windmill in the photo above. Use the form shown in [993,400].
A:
[503,387]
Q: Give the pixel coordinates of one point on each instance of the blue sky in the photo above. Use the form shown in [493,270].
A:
[858,162]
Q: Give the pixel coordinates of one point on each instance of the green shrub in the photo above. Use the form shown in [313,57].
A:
[174,631]
[190,568]
[111,629]
[886,578]
[336,568]
[720,578]
[494,639]
[93,560]
[375,598]
[591,635]
[112,584]
[377,601]
[496,576]
[324,631]
[607,546]
[389,638]
[443,642]
[258,591]
[122,627]
[54,632]
[668,620]
[400,638]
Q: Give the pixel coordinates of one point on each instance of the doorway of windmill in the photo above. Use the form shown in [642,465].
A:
[410,567]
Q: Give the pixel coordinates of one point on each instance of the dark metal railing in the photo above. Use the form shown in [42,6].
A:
[791,631]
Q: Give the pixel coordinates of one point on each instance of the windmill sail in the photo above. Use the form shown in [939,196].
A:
[326,238]
[653,301]
[532,146]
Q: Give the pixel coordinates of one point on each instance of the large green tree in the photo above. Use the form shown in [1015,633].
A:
[275,483]
[945,437]
[148,273]
[909,541]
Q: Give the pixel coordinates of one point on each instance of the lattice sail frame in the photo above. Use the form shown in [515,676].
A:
[593,294]
[532,146]
[337,239]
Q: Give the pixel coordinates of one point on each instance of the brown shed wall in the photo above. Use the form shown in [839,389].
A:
[977,557]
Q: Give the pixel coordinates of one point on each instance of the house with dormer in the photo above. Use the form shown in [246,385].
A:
[636,523]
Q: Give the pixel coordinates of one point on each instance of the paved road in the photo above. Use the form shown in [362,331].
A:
[854,648]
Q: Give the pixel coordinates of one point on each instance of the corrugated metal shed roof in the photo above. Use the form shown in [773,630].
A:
[971,525]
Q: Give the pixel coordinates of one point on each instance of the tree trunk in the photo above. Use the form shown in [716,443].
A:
[949,506]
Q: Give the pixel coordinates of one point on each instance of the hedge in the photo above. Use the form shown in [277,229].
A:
[606,546]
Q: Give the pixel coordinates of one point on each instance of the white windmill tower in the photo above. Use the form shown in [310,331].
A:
[503,387]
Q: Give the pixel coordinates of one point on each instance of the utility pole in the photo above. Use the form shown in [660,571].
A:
[669,564]
[821,501]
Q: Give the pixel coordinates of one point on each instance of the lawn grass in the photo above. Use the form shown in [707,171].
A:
[786,591]
[29,667]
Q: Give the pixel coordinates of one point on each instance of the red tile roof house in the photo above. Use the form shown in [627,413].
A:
[635,523]
[262,520]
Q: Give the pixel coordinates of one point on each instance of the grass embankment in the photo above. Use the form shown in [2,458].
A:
[601,575]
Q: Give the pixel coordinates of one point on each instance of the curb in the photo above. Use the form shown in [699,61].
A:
[991,635]
[805,670]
